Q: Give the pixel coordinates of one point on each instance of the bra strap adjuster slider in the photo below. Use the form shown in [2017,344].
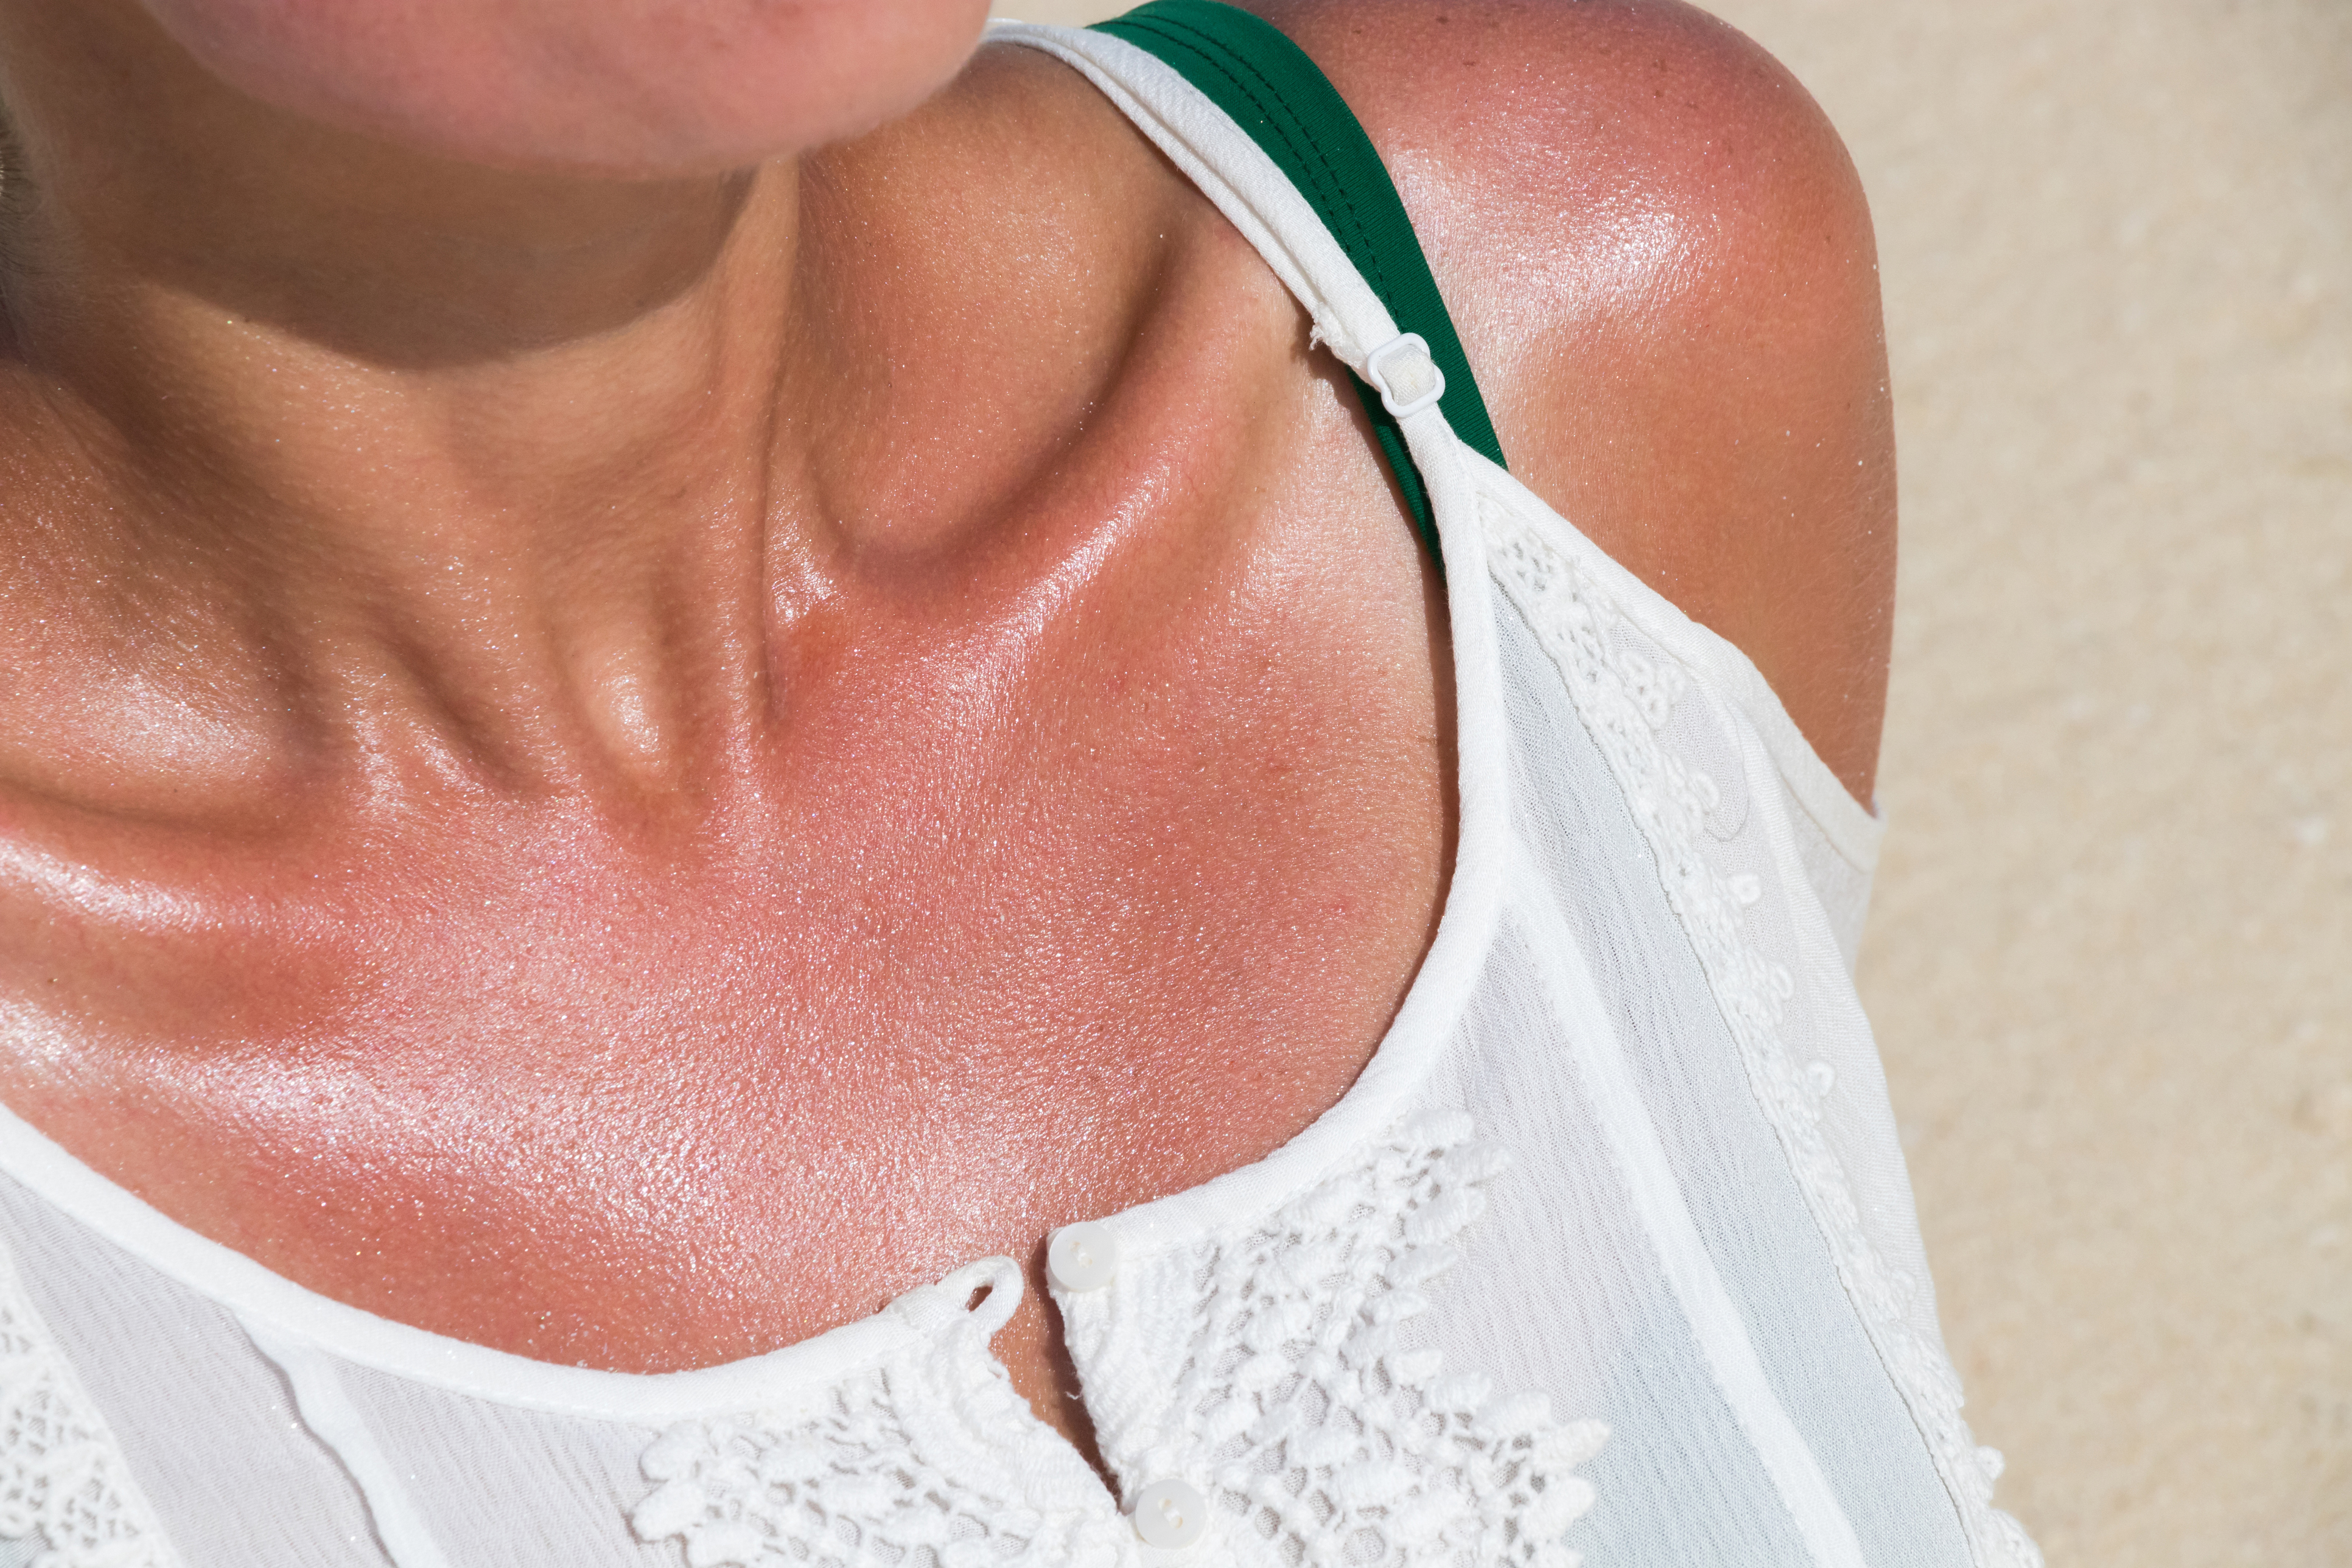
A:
[1407,377]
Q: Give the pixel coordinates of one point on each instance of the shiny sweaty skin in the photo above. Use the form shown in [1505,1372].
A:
[623,756]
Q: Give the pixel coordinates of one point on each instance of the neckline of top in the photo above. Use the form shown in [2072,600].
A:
[1297,244]
[251,1291]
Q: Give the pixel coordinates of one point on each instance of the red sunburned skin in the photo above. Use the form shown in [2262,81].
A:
[625,769]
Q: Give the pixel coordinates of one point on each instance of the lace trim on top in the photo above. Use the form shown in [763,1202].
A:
[926,1459]
[1625,700]
[62,1475]
[1270,1371]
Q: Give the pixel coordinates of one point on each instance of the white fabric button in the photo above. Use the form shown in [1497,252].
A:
[1082,1256]
[1408,378]
[1170,1516]
[1820,1078]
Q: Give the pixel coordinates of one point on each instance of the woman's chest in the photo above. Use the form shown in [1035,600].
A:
[998,931]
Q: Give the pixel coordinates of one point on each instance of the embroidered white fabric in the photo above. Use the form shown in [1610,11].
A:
[66,1495]
[1626,699]
[907,1461]
[1624,1165]
[1286,1390]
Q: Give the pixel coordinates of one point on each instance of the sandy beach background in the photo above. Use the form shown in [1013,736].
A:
[2110,960]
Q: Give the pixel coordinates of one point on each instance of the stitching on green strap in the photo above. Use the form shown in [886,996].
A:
[1331,198]
[1283,100]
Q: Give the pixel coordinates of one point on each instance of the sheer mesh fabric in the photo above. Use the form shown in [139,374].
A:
[1597,877]
[203,1420]
[571,1473]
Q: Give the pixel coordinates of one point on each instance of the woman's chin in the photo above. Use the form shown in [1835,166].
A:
[651,89]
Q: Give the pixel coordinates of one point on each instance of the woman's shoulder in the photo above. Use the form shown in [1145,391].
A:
[1661,261]
[1512,111]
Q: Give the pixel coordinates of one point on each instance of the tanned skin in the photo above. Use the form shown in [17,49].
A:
[626,769]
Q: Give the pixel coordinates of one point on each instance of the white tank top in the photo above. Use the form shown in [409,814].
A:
[1609,1253]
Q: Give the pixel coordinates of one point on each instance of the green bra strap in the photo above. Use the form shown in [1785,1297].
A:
[1272,90]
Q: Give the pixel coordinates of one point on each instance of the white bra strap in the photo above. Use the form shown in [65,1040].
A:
[1235,173]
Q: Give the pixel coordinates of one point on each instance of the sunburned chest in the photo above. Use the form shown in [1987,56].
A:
[1017,928]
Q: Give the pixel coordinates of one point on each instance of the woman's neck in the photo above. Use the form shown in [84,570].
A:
[344,395]
[318,449]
